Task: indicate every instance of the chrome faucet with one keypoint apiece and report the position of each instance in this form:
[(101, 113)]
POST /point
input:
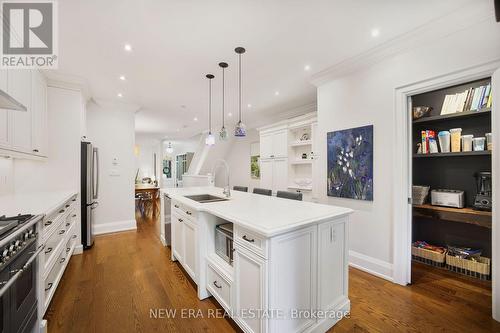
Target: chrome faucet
[(227, 189)]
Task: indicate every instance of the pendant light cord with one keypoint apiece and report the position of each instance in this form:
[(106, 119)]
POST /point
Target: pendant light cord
[(223, 97), (210, 106), (240, 85)]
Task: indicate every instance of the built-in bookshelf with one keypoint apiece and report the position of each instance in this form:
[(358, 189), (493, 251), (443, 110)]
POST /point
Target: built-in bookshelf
[(444, 226), (300, 157)]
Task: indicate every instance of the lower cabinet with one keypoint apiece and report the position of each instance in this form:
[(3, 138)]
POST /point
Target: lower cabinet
[(251, 289), (190, 248), (184, 241), (178, 238)]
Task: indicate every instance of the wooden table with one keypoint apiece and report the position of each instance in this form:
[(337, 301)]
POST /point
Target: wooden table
[(154, 190)]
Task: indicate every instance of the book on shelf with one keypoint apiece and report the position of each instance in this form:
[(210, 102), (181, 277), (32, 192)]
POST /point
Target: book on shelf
[(472, 99)]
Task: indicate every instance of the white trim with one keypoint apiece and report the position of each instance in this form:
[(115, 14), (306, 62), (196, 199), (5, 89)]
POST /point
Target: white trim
[(495, 253), (466, 16), (110, 227), (78, 249), (374, 266)]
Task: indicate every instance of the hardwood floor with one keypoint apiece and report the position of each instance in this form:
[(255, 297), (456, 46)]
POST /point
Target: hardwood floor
[(113, 286)]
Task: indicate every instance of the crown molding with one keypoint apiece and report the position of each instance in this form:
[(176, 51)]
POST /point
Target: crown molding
[(68, 81), (307, 110), (460, 19), (125, 107)]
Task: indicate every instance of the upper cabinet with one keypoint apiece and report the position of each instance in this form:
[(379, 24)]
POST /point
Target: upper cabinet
[(24, 133), (274, 143)]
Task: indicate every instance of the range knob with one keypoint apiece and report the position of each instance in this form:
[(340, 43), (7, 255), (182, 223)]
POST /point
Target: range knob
[(12, 249), (17, 244), (5, 255)]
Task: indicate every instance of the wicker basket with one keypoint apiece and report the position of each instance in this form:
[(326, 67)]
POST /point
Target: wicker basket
[(419, 194), (480, 269), (428, 257)]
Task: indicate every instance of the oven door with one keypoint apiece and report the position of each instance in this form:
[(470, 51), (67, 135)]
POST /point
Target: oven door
[(23, 298), (5, 323)]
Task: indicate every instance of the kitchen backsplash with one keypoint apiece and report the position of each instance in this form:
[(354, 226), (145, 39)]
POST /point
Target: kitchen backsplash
[(6, 176)]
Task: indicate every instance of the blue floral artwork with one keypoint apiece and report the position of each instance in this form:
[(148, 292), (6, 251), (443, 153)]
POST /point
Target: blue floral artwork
[(350, 163)]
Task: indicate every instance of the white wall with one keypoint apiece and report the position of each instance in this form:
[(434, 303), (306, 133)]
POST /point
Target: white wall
[(146, 146), (110, 127), (368, 97), (6, 176), (238, 158), (179, 147)]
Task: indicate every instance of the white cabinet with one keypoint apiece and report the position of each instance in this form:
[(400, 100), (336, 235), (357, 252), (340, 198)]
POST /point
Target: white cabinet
[(251, 289), (39, 115), (274, 174), (332, 286), (19, 87), (24, 132), (190, 248), (178, 238), (274, 144)]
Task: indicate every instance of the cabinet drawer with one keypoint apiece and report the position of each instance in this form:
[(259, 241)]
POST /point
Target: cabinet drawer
[(53, 244), (52, 221), (219, 287), (251, 241), (184, 210)]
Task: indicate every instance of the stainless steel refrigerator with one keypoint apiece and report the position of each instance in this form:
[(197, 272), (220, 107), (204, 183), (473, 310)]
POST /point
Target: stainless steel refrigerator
[(89, 191)]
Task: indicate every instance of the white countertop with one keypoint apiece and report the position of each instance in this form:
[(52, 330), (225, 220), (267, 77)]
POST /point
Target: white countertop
[(268, 216), (33, 203)]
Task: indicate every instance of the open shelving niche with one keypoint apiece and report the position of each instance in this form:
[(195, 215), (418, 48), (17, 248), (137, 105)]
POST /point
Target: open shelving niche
[(300, 168), (445, 225)]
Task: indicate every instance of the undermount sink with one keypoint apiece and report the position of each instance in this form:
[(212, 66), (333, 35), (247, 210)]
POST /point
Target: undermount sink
[(205, 198)]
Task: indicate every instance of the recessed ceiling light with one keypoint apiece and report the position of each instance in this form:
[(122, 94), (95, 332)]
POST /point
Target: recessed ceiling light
[(276, 93), (195, 118), (119, 95), (229, 114), (178, 130), (122, 77), (375, 32), (128, 47), (307, 67), (249, 105)]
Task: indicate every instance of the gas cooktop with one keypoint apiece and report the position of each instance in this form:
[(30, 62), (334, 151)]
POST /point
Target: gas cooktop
[(9, 223)]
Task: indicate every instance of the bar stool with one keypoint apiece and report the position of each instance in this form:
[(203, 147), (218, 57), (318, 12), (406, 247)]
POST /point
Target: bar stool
[(289, 195), (262, 191), (241, 188)]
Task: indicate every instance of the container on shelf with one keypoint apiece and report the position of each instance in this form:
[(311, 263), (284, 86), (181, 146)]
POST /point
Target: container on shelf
[(224, 242), (428, 257), (467, 142), (456, 133), (479, 143), (480, 269), (444, 141), (419, 194), (489, 141)]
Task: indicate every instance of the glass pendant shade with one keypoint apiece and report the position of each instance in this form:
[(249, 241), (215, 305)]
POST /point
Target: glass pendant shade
[(169, 149), (240, 130), (223, 134), (210, 139)]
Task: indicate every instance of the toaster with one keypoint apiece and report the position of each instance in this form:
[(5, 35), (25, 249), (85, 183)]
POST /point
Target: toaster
[(447, 198)]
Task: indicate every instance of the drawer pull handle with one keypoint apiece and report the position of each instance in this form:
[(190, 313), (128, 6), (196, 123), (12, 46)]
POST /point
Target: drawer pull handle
[(180, 220), (74, 215), (67, 224), (35, 150), (67, 249), (247, 239), (188, 212), (62, 232), (49, 249), (176, 206), (49, 286), (62, 260), (73, 199), (74, 236), (61, 211), (216, 285), (47, 223), (67, 206)]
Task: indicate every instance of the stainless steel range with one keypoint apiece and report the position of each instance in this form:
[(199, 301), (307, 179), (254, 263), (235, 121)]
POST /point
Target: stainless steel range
[(18, 273)]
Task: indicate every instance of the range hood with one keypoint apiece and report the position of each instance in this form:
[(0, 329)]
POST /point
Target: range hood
[(8, 102)]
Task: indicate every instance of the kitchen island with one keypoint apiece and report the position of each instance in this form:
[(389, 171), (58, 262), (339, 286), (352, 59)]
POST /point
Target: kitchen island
[(285, 269)]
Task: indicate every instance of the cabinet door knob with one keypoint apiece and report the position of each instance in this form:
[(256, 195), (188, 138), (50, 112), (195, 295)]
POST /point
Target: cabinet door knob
[(176, 206), (216, 285), (180, 220), (247, 239), (35, 150), (188, 212), (62, 260)]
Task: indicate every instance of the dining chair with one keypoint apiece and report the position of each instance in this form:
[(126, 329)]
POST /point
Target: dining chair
[(241, 188), (262, 191), (289, 195)]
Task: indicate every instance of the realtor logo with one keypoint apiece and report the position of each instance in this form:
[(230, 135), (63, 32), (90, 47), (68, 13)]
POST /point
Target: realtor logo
[(29, 34)]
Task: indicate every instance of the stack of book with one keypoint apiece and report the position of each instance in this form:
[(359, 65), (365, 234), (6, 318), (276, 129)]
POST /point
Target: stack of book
[(472, 99)]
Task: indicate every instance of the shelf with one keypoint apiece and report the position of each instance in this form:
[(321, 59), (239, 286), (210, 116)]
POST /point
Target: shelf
[(463, 153), (300, 188), (304, 161), (460, 115), (462, 215), (301, 143)]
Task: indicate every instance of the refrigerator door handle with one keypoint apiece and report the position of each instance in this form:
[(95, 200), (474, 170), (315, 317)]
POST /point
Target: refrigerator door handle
[(95, 173)]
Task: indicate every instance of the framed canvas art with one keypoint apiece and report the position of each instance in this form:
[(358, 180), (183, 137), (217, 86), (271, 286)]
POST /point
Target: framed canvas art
[(350, 163)]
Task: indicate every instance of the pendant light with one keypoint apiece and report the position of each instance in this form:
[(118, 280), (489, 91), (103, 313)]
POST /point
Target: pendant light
[(240, 129), (223, 131), (210, 139)]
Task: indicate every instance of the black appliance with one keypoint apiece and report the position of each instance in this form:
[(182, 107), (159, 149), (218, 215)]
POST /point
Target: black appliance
[(18, 273), (483, 198), (89, 191)]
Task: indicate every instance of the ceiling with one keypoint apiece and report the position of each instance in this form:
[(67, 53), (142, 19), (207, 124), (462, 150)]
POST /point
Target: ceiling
[(175, 43)]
